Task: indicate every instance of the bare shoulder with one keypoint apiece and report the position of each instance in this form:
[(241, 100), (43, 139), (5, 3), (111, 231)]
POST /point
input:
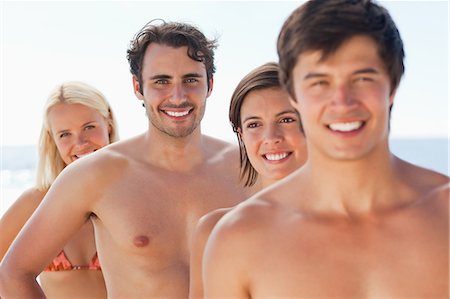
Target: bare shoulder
[(102, 166), (26, 203), (430, 186), (31, 197), (239, 240), (221, 148), (207, 222), (250, 220), (86, 181)]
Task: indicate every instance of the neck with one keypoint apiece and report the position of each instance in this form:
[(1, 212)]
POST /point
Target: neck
[(175, 153), (357, 187)]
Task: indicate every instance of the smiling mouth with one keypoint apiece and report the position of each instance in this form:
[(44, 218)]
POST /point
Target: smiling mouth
[(177, 112), (346, 126), (277, 157)]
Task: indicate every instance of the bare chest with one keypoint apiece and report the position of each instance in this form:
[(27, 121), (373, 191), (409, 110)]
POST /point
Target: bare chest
[(154, 214), (390, 260)]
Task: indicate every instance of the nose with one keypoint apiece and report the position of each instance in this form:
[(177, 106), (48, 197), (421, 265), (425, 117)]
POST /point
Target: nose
[(178, 94), (273, 134), (343, 96), (82, 139)]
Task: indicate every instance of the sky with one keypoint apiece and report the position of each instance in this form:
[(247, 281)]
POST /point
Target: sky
[(44, 43)]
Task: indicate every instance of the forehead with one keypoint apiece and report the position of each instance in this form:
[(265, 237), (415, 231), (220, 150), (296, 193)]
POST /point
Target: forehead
[(163, 59), (269, 101), (356, 52), (63, 116)]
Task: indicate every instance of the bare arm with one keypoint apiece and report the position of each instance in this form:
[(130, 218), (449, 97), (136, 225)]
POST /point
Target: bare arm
[(202, 232), (64, 209), (16, 216), (224, 262)]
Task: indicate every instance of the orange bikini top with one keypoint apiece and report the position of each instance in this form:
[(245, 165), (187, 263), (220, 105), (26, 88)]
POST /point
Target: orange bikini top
[(62, 263)]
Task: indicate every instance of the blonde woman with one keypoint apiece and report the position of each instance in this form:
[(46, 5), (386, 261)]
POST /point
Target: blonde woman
[(78, 121)]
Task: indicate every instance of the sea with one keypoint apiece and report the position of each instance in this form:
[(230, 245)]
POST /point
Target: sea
[(18, 163)]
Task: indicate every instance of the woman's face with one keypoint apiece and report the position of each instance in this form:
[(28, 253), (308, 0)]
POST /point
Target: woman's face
[(77, 130), (271, 134)]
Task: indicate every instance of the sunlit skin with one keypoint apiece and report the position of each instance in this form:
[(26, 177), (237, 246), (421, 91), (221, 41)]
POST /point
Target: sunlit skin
[(351, 88), (77, 130), (174, 90), (143, 195), (271, 133), (355, 221), (275, 146)]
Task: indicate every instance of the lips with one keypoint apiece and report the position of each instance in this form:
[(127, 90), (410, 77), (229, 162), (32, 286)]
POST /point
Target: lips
[(277, 156), (346, 126), (177, 113)]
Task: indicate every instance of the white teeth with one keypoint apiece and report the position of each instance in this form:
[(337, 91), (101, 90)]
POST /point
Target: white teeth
[(346, 127), (177, 114), (276, 157)]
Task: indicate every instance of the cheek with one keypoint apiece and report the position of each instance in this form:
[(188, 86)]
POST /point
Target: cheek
[(295, 137), (251, 142), (63, 148), (61, 145), (100, 136)]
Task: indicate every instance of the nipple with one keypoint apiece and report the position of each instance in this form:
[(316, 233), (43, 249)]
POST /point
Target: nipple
[(141, 241)]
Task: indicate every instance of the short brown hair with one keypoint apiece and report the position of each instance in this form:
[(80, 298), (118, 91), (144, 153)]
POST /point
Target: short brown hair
[(325, 24)]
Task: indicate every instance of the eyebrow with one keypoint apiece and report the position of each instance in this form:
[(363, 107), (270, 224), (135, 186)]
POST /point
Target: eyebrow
[(368, 70), (193, 75), (188, 75), (277, 115), (313, 75), (286, 112), (83, 125), (160, 76)]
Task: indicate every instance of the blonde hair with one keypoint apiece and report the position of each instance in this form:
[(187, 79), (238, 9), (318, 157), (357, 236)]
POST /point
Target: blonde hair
[(50, 162)]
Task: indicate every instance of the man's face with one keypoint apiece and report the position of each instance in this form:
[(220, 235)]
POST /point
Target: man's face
[(174, 89), (344, 100)]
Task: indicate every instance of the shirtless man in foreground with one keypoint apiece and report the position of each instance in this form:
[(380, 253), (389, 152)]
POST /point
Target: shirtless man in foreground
[(355, 221), (143, 195)]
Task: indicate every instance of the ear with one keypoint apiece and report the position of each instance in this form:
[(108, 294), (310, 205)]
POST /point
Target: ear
[(391, 97), (211, 83), (137, 88), (239, 132)]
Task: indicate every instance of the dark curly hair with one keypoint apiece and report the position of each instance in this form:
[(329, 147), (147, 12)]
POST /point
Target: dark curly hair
[(175, 35)]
